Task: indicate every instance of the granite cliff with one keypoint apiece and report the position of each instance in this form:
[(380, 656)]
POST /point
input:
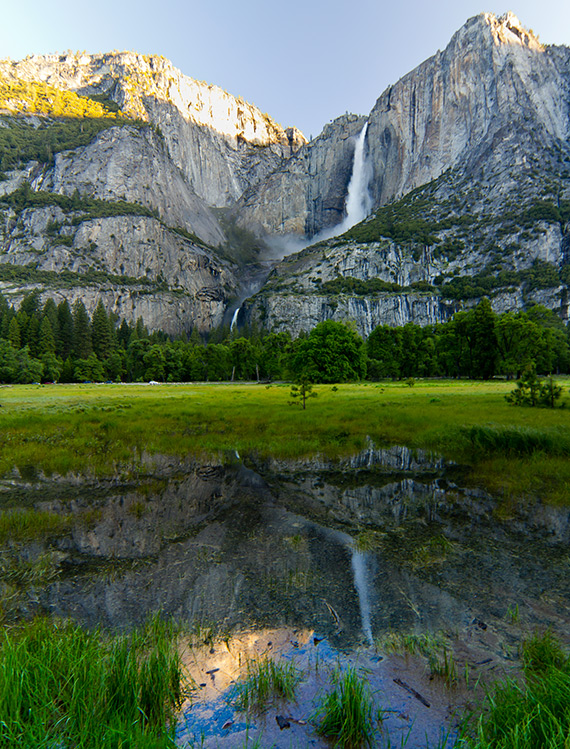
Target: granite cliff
[(471, 186), (169, 192)]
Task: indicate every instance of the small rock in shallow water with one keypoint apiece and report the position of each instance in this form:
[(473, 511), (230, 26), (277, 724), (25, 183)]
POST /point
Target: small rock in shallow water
[(282, 722)]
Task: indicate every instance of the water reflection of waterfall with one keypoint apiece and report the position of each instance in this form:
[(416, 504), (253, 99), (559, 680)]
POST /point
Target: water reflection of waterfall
[(359, 561), (360, 571)]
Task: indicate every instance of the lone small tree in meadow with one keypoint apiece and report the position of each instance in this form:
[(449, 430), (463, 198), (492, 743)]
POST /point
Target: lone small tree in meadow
[(531, 391), (302, 390)]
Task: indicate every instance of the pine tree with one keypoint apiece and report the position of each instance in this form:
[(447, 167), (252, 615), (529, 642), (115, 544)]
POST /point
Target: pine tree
[(64, 345), (82, 345), (49, 310), (46, 338), (14, 333), (3, 312), (124, 334), (32, 337), (101, 332), (31, 303)]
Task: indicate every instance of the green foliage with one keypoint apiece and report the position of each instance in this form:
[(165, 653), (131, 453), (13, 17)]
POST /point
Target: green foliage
[(62, 686), (28, 525), (68, 121), (345, 714), (66, 278), (356, 287), (89, 208), (302, 390), (541, 275), (532, 391), (20, 141), (332, 352), (530, 716), (496, 439), (541, 653), (32, 97)]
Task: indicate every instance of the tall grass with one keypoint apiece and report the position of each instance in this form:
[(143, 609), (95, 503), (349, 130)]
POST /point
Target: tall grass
[(345, 714), (62, 686), (517, 440), (27, 525), (534, 715)]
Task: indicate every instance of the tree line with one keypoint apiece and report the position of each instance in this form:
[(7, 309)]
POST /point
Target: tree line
[(63, 343)]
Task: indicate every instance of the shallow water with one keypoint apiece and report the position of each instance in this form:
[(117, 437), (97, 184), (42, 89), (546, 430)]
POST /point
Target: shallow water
[(387, 540)]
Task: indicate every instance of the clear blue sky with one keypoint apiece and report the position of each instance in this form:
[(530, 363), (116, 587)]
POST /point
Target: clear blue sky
[(304, 62)]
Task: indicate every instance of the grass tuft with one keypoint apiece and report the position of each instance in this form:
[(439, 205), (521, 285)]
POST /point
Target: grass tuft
[(345, 714), (266, 680), (534, 715)]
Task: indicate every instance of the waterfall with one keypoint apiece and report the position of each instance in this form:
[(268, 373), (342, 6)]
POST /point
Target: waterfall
[(234, 319), (361, 585), (358, 200)]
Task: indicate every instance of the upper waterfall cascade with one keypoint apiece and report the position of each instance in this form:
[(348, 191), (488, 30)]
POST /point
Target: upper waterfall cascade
[(358, 199)]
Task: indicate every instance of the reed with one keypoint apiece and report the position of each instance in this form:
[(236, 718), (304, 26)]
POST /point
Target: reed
[(63, 686), (530, 715)]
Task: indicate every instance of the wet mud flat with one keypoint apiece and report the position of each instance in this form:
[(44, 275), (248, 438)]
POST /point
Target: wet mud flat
[(413, 705)]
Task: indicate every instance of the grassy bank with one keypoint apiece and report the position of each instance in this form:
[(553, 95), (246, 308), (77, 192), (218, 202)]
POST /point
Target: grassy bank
[(533, 713), (514, 451), (62, 686)]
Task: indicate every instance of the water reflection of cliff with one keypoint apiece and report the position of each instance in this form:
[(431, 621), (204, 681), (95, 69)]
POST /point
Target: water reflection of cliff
[(383, 540)]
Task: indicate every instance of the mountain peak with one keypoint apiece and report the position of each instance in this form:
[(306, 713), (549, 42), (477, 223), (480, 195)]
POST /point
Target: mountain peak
[(507, 29)]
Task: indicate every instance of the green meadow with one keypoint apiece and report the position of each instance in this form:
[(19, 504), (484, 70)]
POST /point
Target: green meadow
[(514, 452)]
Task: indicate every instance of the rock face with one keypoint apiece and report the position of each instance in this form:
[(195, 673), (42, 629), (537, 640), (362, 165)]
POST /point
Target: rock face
[(470, 161), (493, 77), (220, 142), (133, 164), (308, 193), (475, 141), (295, 313), (136, 265)]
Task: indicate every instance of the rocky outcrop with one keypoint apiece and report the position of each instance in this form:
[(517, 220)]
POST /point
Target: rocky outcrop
[(297, 313), (221, 143), (493, 75), (132, 164), (135, 264)]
